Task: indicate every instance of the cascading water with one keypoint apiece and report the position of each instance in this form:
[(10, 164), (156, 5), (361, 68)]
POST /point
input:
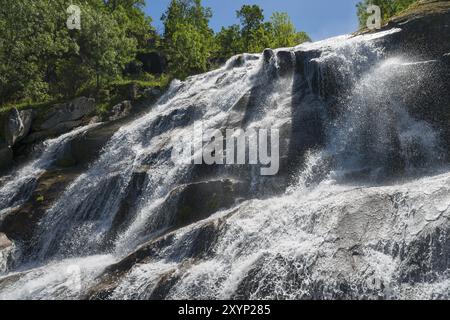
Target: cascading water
[(21, 183), (312, 232)]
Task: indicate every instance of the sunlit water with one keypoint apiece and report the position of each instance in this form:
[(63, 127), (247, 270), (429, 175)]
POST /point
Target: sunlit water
[(289, 246)]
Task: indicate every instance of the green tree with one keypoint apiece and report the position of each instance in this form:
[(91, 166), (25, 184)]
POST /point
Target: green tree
[(189, 53), (252, 19), (301, 37), (114, 4), (133, 19), (284, 32), (40, 58), (31, 39), (188, 40), (260, 38), (103, 45), (229, 42), (254, 35)]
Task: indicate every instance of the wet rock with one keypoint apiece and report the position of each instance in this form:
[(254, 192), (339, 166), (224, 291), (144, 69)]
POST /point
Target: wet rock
[(57, 130), (236, 61), (17, 125), (67, 115), (86, 147), (286, 60), (427, 258), (19, 223), (6, 156), (6, 250), (193, 246), (422, 28), (120, 111), (198, 201), (268, 54), (109, 280), (129, 205), (152, 93), (4, 242), (162, 288), (238, 111)]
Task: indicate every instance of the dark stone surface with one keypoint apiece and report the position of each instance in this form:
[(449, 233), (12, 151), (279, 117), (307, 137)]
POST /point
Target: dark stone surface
[(6, 157), (17, 125)]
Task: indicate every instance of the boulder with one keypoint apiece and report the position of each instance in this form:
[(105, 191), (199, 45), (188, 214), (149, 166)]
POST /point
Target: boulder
[(285, 62), (268, 55), (85, 148), (197, 201), (58, 129), (4, 242), (120, 111), (17, 125), (67, 113), (152, 93)]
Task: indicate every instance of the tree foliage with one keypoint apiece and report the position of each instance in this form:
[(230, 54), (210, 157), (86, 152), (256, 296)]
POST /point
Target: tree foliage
[(254, 34), (191, 46), (229, 41), (284, 32), (41, 58), (251, 17), (188, 40), (389, 8)]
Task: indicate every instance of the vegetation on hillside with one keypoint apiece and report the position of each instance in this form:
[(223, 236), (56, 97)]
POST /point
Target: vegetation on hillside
[(42, 60), (389, 8)]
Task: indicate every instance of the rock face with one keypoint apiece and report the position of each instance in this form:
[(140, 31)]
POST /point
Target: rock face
[(20, 223), (359, 209), (85, 148), (67, 114), (17, 125), (61, 118), (4, 242), (6, 156), (198, 201), (120, 111)]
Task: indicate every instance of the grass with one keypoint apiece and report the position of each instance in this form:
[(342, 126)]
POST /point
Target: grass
[(147, 81), (38, 106)]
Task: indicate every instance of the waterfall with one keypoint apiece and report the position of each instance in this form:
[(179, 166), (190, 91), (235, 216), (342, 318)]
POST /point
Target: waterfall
[(342, 219), (20, 184)]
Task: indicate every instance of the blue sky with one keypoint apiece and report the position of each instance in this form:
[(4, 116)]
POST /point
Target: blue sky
[(319, 18)]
